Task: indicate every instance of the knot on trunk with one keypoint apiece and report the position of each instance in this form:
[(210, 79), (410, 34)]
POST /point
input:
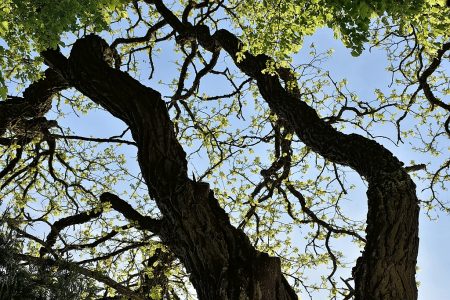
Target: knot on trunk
[(93, 48)]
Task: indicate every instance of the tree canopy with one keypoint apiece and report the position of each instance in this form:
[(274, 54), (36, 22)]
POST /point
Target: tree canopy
[(196, 149)]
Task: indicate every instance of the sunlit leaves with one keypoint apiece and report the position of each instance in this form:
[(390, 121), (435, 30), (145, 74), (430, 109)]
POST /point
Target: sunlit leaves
[(39, 25), (279, 27)]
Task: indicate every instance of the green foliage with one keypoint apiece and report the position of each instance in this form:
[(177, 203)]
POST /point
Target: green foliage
[(235, 134), (272, 26), (29, 27)]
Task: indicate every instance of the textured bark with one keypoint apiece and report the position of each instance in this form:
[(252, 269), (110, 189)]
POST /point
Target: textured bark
[(17, 112), (219, 257), (386, 269)]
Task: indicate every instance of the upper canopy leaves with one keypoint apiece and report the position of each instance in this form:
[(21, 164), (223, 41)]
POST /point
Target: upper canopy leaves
[(272, 26), (268, 26), (31, 26)]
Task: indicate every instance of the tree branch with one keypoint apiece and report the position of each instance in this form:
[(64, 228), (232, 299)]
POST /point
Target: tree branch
[(143, 222), (423, 78), (84, 271), (66, 222), (36, 101)]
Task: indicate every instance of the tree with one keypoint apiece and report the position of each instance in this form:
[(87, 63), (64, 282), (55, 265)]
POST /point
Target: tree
[(173, 226), (35, 281)]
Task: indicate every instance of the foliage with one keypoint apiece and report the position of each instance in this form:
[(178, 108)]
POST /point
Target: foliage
[(36, 282), (279, 26), (28, 27), (252, 159)]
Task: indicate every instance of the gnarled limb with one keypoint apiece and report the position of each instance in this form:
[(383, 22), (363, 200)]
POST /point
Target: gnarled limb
[(36, 102), (386, 269), (143, 222), (219, 257)]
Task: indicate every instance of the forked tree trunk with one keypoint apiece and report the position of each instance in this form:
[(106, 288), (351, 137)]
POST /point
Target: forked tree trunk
[(386, 269), (222, 262)]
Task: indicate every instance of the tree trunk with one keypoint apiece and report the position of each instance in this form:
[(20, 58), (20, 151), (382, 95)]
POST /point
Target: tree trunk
[(222, 262), (386, 269)]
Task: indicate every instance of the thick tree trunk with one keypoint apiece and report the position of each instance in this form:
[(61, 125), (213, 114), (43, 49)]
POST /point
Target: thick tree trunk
[(222, 262), (386, 269)]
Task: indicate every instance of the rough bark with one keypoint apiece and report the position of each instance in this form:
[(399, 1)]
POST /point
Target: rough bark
[(386, 269), (222, 262), (19, 113)]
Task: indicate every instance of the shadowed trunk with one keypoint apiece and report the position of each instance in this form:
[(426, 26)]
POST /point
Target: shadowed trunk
[(222, 262), (386, 269)]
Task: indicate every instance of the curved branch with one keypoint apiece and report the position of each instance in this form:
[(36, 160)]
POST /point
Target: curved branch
[(84, 271), (143, 222), (423, 79), (151, 31), (66, 222), (36, 101)]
